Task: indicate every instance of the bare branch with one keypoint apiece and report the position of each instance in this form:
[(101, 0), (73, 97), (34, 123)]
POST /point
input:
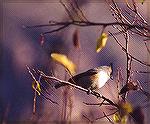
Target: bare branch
[(106, 115), (88, 23), (108, 118), (98, 95), (124, 50), (41, 93), (97, 104)]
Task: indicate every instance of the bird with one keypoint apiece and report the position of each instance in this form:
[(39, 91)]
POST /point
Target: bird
[(92, 79)]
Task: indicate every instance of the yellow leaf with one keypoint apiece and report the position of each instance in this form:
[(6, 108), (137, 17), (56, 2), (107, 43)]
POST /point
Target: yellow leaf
[(63, 60), (116, 118), (127, 107), (36, 87), (124, 120), (101, 42)]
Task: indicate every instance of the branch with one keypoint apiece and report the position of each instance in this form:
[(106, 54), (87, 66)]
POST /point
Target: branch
[(97, 104), (41, 93), (108, 118), (94, 93), (87, 23), (55, 30), (124, 50), (106, 115)]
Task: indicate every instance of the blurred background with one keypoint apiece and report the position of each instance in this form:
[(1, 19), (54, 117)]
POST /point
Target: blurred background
[(20, 47)]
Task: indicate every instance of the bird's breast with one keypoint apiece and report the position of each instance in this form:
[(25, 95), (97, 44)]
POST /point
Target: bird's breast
[(103, 77)]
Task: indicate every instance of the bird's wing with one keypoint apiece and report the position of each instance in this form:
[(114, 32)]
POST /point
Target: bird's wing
[(84, 74)]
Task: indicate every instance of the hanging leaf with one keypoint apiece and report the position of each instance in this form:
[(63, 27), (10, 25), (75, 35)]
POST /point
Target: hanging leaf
[(101, 42), (116, 118), (42, 39), (36, 87), (128, 87), (75, 39), (63, 60)]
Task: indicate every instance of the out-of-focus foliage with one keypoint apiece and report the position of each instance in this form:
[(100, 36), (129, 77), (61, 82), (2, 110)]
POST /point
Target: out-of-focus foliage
[(75, 39), (125, 108), (101, 42), (138, 115), (65, 61)]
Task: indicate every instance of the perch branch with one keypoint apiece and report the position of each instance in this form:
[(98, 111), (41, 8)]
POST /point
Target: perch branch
[(98, 95)]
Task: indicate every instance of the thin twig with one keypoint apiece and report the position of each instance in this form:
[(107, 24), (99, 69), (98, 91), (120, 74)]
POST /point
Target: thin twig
[(56, 30), (124, 50), (76, 3), (87, 119), (97, 104), (67, 10), (41, 93), (89, 23), (108, 118), (107, 115)]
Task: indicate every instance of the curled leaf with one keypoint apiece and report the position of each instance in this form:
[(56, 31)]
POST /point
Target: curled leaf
[(63, 60), (75, 39), (36, 87), (101, 42), (116, 118), (128, 87)]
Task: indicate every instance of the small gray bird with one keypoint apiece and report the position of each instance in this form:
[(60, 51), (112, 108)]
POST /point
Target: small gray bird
[(92, 79)]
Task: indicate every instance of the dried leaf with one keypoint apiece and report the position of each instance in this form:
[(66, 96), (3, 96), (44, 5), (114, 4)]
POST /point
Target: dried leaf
[(128, 87), (101, 42), (75, 39), (42, 39), (63, 60)]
